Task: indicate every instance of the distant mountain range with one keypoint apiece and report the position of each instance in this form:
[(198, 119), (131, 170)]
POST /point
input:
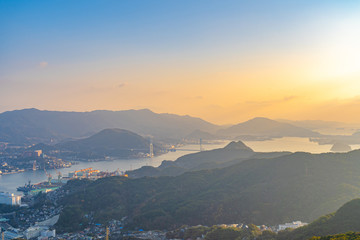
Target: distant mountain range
[(266, 127), (331, 132), (298, 186), (321, 124), (198, 134), (35, 126), (316, 124)]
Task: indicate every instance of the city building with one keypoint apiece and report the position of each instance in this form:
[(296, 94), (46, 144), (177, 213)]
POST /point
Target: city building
[(33, 232), (48, 233), (36, 153), (10, 198), (292, 225)]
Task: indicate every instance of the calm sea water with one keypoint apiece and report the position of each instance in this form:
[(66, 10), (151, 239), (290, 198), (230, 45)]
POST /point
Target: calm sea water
[(9, 183)]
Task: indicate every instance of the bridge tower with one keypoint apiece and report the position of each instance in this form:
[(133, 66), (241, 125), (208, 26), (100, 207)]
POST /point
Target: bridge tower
[(151, 153), (34, 165), (201, 147)]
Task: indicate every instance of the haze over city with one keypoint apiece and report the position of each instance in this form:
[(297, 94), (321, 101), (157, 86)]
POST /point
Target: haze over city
[(223, 61)]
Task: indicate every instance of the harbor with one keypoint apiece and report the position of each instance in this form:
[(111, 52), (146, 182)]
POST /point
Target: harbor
[(10, 182), (54, 183)]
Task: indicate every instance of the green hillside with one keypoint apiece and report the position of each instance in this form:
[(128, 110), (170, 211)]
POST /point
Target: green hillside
[(300, 186), (344, 220), (345, 236), (233, 153)]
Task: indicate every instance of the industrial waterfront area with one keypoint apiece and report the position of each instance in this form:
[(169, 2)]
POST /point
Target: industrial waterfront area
[(10, 182), (54, 183)]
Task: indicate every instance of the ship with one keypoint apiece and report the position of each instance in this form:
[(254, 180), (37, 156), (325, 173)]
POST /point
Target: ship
[(39, 187), (26, 188)]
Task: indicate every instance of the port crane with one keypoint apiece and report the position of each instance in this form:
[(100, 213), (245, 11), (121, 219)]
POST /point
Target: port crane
[(48, 175), (59, 175)]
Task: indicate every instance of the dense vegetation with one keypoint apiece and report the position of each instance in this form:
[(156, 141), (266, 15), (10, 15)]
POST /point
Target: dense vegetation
[(299, 186), (346, 236), (5, 208), (346, 219), (250, 233), (245, 232)]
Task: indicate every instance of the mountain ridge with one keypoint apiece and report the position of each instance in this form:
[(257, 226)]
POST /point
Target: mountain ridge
[(233, 153), (35, 126), (261, 126)]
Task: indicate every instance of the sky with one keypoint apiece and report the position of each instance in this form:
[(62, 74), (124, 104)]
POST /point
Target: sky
[(224, 61)]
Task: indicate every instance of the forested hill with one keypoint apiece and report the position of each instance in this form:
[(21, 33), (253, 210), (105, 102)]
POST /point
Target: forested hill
[(118, 143), (344, 236), (299, 186), (344, 220), (233, 153)]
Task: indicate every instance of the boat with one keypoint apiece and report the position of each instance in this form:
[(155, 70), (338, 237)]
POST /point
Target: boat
[(26, 188)]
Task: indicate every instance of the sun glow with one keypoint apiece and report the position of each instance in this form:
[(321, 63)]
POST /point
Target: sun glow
[(340, 51)]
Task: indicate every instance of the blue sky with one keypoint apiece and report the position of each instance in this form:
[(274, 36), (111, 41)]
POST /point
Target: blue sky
[(65, 31)]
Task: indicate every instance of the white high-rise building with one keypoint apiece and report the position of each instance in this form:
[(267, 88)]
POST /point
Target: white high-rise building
[(292, 225), (10, 198)]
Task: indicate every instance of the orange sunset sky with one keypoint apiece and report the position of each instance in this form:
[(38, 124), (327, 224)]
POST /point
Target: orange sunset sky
[(223, 61)]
